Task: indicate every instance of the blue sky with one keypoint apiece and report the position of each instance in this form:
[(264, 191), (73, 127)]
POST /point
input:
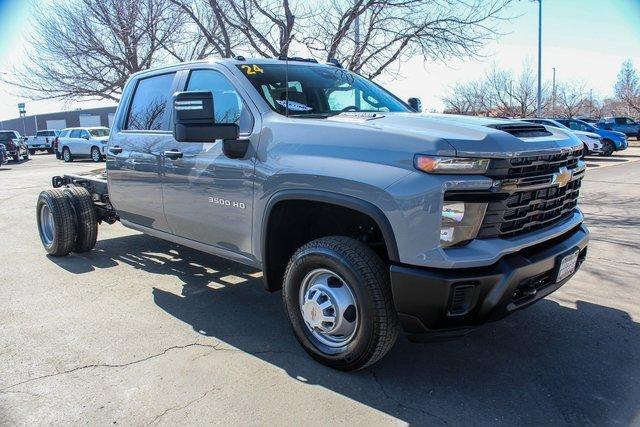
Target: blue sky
[(586, 40)]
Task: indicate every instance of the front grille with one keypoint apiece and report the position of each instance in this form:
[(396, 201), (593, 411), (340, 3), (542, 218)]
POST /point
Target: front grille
[(533, 200)]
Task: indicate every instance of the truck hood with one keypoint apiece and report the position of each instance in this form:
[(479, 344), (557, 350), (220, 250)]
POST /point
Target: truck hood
[(469, 136)]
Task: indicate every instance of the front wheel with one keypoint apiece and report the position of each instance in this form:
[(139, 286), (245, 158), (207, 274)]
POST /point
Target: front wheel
[(32, 152), (66, 155), (338, 299), (607, 148), (95, 154)]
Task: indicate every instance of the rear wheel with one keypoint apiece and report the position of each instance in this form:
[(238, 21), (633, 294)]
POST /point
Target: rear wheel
[(66, 155), (50, 150), (26, 155), (16, 157), (32, 151), (95, 154), (56, 222), (338, 299), (607, 147), (86, 220)]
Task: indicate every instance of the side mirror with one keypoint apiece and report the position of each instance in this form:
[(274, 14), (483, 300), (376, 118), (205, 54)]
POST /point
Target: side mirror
[(194, 119), (416, 104)]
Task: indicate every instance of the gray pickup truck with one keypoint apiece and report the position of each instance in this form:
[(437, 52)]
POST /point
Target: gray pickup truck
[(370, 217)]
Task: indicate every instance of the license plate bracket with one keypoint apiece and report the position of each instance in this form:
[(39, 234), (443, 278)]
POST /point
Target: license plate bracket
[(566, 265)]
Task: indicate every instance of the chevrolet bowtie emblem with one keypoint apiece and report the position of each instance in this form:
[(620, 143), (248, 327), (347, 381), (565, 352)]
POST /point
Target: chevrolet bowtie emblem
[(563, 177)]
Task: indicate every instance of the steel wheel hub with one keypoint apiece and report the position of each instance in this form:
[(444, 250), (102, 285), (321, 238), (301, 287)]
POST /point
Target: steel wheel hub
[(328, 307), (47, 227)]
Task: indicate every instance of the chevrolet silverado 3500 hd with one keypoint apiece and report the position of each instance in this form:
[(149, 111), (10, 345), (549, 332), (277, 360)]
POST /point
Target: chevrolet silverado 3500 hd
[(371, 217)]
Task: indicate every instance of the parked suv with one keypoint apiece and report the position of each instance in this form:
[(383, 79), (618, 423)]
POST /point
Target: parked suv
[(3, 154), (83, 143), (611, 140), (369, 216), (625, 125), (44, 140), (15, 144)]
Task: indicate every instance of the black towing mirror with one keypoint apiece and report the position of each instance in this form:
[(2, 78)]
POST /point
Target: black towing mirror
[(194, 119)]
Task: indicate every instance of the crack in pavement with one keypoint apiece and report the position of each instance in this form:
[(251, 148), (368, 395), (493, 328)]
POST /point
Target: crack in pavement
[(179, 408), (114, 365), (402, 405), (216, 347)]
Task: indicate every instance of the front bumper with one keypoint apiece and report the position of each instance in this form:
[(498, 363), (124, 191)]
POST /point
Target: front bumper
[(444, 303)]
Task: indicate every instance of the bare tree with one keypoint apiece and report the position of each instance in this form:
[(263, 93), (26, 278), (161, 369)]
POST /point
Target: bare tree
[(571, 98), (263, 27), (627, 87), (89, 48), (393, 30), (498, 93)]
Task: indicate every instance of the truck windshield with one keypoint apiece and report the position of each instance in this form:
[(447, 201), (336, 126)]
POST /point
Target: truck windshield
[(5, 136), (318, 91)]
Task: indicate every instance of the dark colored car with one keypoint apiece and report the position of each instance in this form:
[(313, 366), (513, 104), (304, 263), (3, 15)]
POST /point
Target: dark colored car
[(15, 145)]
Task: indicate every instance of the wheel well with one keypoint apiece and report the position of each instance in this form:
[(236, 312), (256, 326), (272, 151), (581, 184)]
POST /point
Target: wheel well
[(292, 223)]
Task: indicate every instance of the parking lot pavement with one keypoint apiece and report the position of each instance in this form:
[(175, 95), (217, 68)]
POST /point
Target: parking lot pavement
[(141, 331)]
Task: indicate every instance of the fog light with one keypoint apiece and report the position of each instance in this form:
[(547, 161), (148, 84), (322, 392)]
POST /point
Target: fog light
[(460, 222)]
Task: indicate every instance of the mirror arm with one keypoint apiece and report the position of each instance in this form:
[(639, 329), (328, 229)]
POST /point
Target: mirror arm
[(235, 148)]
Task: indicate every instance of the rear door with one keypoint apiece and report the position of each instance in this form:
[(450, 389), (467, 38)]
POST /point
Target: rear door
[(208, 197), (141, 129)]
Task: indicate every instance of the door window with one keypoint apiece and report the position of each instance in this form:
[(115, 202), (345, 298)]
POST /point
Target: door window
[(228, 106), (75, 133), (84, 134), (151, 105), (621, 121)]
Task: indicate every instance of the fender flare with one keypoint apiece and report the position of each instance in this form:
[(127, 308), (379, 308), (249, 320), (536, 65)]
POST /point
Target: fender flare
[(350, 202)]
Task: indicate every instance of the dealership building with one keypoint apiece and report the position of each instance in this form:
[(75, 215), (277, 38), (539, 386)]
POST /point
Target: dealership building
[(28, 125)]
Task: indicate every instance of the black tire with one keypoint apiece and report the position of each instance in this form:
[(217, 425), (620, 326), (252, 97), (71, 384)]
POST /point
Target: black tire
[(367, 277), (96, 156), (585, 151), (66, 155), (16, 157), (85, 215), (27, 155), (607, 147), (32, 152), (62, 238), (50, 150)]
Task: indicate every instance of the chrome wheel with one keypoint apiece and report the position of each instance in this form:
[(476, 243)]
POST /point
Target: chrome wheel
[(47, 226), (95, 155), (66, 155), (329, 308)]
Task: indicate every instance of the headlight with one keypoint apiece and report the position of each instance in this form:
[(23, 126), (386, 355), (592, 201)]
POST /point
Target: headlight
[(450, 165), (460, 222)]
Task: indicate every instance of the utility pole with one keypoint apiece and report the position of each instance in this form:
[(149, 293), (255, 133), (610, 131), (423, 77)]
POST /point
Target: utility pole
[(539, 105), (553, 94)]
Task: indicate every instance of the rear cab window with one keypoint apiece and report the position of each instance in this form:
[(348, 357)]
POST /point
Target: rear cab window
[(150, 107)]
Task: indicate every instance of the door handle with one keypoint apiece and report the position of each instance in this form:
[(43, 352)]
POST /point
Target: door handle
[(173, 154), (115, 150)]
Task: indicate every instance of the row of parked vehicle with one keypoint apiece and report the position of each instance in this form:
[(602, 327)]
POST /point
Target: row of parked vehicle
[(67, 144), (600, 139)]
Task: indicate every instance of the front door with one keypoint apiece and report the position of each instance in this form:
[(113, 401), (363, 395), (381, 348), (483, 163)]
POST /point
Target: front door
[(208, 197), (134, 154)]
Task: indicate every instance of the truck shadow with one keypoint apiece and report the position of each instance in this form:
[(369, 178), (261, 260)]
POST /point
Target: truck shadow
[(548, 364)]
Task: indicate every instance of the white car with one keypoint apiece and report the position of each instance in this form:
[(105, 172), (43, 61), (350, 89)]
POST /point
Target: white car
[(592, 141), (88, 142)]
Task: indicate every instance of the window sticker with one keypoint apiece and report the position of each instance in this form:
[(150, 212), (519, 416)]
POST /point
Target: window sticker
[(252, 69), (293, 106)]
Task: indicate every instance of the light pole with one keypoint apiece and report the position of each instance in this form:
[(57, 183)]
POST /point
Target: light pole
[(539, 104)]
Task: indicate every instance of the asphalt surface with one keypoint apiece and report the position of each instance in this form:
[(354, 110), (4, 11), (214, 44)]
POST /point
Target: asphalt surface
[(141, 331)]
